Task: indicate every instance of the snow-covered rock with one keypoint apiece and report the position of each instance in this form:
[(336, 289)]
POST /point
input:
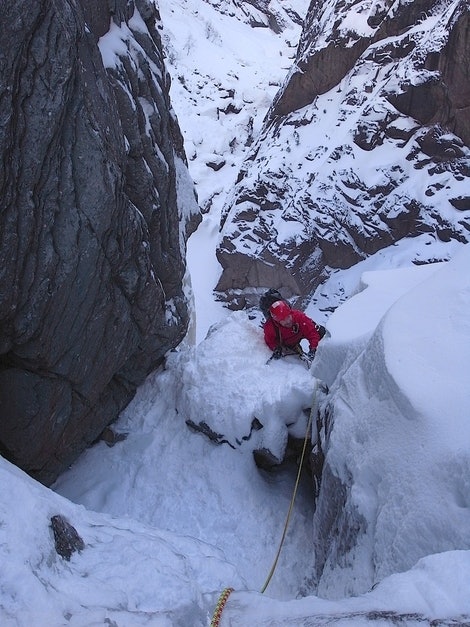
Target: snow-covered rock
[(272, 408), (277, 15), (366, 143)]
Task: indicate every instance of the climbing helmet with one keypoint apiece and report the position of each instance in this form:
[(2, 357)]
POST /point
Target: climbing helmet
[(281, 313)]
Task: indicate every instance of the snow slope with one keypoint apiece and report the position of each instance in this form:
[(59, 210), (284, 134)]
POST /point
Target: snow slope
[(224, 77), (172, 478), (171, 518)]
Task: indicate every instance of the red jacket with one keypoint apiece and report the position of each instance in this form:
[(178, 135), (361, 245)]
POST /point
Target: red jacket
[(302, 328)]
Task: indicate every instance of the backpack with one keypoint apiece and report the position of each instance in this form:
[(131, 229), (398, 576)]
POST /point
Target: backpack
[(267, 299)]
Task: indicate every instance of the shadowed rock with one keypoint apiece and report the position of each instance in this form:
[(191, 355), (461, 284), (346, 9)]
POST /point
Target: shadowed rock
[(92, 230)]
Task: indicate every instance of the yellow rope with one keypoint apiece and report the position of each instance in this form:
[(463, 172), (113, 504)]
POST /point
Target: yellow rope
[(219, 608)]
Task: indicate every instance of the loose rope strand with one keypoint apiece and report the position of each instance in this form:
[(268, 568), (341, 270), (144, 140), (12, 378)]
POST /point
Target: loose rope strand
[(291, 506)]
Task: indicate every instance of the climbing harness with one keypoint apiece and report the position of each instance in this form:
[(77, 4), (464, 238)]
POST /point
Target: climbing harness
[(219, 608), (227, 591)]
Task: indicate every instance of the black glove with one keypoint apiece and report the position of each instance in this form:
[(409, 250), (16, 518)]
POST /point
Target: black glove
[(311, 353), (277, 352)]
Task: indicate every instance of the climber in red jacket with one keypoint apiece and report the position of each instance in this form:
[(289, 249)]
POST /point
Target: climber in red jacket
[(286, 327)]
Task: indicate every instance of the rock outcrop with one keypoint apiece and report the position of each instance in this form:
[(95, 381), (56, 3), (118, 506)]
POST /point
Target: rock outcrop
[(95, 205), (66, 538), (366, 143)]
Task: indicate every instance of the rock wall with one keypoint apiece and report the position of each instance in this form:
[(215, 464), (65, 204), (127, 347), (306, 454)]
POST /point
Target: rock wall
[(91, 220), (366, 143)]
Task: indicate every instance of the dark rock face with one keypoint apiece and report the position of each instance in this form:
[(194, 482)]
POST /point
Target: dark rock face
[(92, 246), (366, 143)]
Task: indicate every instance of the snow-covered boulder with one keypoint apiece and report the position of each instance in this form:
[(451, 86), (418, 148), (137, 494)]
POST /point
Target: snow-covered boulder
[(254, 401)]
